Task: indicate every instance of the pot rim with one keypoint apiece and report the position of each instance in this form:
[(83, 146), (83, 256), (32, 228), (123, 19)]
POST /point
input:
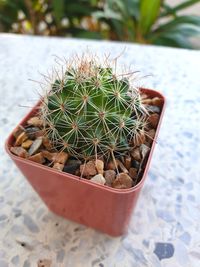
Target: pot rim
[(82, 180)]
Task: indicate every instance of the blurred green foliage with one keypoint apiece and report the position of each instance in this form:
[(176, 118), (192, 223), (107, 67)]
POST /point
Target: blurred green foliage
[(143, 21)]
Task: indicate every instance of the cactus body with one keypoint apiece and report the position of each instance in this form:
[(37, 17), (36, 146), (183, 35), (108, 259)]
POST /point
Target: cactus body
[(90, 112)]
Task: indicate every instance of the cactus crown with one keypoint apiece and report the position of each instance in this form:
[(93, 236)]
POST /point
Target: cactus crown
[(89, 111)]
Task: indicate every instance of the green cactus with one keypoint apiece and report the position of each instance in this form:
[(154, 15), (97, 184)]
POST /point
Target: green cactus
[(89, 112)]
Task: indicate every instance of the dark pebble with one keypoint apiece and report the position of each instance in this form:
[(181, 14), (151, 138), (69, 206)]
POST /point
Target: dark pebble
[(164, 250), (135, 164), (72, 166), (48, 163), (74, 161), (31, 132)]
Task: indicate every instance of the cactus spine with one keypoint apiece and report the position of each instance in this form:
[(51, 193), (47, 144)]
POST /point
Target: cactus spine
[(91, 112)]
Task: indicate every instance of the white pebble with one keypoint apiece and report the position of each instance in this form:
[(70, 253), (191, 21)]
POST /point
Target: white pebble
[(99, 179)]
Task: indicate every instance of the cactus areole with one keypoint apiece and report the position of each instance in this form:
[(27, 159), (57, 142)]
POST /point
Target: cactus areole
[(91, 112)]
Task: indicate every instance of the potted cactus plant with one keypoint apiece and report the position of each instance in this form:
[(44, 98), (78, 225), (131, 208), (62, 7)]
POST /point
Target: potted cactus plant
[(86, 146)]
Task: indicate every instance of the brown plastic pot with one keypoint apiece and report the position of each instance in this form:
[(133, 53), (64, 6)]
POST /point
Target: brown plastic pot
[(97, 206)]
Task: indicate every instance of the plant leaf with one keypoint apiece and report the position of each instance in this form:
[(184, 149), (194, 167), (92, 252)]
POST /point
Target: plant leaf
[(8, 14), (186, 30), (58, 9), (133, 8), (172, 10), (177, 36), (82, 33), (173, 41), (77, 8), (106, 15), (149, 11), (195, 20)]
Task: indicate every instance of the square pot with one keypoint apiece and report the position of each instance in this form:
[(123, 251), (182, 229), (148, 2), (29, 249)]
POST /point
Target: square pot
[(100, 207)]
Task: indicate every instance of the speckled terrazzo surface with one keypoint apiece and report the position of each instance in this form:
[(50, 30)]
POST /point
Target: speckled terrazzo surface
[(165, 227)]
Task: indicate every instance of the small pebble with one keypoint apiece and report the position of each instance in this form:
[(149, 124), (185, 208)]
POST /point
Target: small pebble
[(99, 166), (61, 157), (121, 166), (88, 169), (72, 167), (77, 172), (152, 109), (144, 96), (109, 176), (58, 166), (27, 144), (154, 119), (135, 153), (76, 162), (20, 129), (156, 101), (151, 134), (44, 263), (164, 250), (99, 179), (122, 181), (144, 150), (111, 165), (133, 173), (37, 158), (40, 133), (139, 138), (48, 155), (21, 138), (19, 151), (135, 164), (46, 143), (35, 121), (35, 146), (127, 162), (32, 132), (147, 101)]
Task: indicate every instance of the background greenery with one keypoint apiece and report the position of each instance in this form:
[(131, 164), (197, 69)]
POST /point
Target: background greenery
[(143, 21)]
